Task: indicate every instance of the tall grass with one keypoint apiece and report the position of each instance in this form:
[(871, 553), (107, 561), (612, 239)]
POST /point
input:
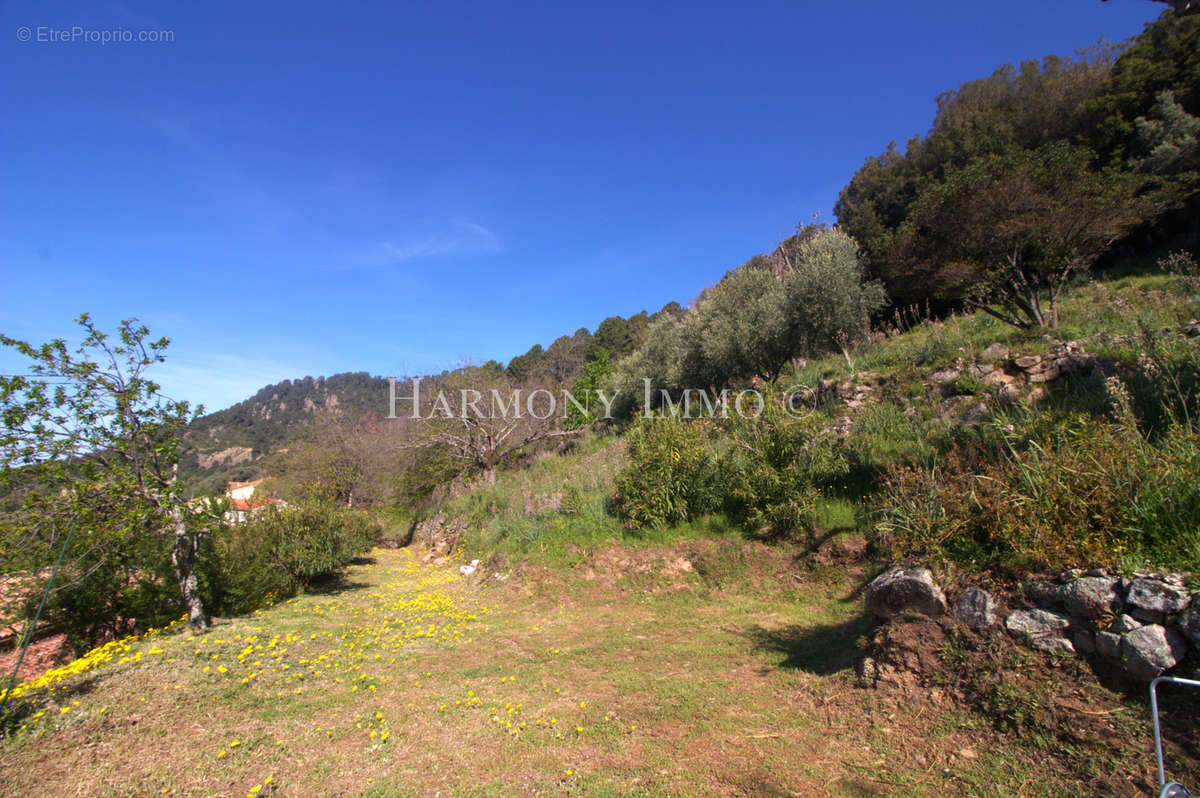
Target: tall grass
[(1121, 487)]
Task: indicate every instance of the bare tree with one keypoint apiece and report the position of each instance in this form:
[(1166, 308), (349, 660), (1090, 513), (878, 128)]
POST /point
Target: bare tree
[(482, 418), (347, 458)]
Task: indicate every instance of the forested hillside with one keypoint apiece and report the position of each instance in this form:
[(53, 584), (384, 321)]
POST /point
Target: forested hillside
[(230, 444)]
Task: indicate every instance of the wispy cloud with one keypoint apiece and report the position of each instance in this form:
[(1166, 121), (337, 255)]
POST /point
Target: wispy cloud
[(456, 237)]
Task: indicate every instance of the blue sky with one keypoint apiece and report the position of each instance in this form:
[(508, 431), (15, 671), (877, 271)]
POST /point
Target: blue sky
[(309, 188)]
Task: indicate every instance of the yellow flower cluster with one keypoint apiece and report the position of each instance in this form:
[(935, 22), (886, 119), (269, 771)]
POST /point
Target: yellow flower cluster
[(349, 646), (93, 659)]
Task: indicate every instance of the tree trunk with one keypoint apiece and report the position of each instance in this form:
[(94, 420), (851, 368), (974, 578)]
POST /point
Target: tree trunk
[(489, 474), (183, 557)]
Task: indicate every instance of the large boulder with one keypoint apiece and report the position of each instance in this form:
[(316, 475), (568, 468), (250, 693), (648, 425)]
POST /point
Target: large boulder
[(976, 609), (1044, 630), (1108, 644), (902, 590), (1152, 600), (1150, 650), (1124, 624), (1089, 597)]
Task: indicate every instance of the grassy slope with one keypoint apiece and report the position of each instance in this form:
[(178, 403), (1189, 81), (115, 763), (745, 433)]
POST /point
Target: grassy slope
[(653, 683), (1119, 306), (733, 677)]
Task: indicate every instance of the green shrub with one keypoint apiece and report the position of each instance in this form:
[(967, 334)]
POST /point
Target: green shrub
[(778, 466), (279, 551), (102, 595), (1092, 492), (672, 475)]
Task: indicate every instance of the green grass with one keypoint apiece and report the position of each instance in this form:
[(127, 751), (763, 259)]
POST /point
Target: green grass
[(1087, 310), (733, 678)]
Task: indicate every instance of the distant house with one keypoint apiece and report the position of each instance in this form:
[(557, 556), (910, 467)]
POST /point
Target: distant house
[(241, 494), (243, 501)]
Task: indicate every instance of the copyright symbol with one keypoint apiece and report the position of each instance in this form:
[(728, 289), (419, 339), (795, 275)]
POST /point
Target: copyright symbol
[(24, 34)]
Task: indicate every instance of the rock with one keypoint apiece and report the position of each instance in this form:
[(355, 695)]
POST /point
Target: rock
[(976, 413), (994, 352), (1041, 629), (999, 377), (1189, 624), (1048, 374), (1089, 597), (1008, 394), (1027, 362), (1042, 592), (1124, 624), (902, 590), (1150, 650), (955, 405), (868, 672), (1083, 641), (976, 609), (1052, 645), (946, 376), (980, 370), (1108, 644), (1152, 600)]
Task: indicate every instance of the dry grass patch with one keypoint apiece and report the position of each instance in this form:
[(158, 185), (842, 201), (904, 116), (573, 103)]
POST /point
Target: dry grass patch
[(415, 681)]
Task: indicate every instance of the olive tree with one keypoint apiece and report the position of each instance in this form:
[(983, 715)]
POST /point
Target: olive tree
[(742, 326), (829, 301), (481, 418)]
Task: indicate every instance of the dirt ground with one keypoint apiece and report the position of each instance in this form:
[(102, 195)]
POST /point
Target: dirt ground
[(715, 667)]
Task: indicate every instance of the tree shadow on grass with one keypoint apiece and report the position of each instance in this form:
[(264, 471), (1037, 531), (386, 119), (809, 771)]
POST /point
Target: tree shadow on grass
[(84, 686), (333, 584), (821, 650)]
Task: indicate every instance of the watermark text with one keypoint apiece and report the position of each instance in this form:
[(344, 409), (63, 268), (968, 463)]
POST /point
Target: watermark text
[(81, 34)]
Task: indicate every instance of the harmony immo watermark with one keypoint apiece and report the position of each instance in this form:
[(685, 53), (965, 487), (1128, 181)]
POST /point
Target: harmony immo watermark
[(542, 403)]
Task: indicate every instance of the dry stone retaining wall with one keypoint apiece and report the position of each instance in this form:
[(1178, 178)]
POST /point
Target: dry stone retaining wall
[(1144, 623)]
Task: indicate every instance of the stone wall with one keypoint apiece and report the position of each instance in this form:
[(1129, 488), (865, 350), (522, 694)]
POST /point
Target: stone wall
[(1144, 623), (438, 535)]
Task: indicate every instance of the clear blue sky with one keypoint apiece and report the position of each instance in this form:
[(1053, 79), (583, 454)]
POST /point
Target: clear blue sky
[(293, 189)]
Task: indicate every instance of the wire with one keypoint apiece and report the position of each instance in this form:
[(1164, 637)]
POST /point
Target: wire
[(37, 616)]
